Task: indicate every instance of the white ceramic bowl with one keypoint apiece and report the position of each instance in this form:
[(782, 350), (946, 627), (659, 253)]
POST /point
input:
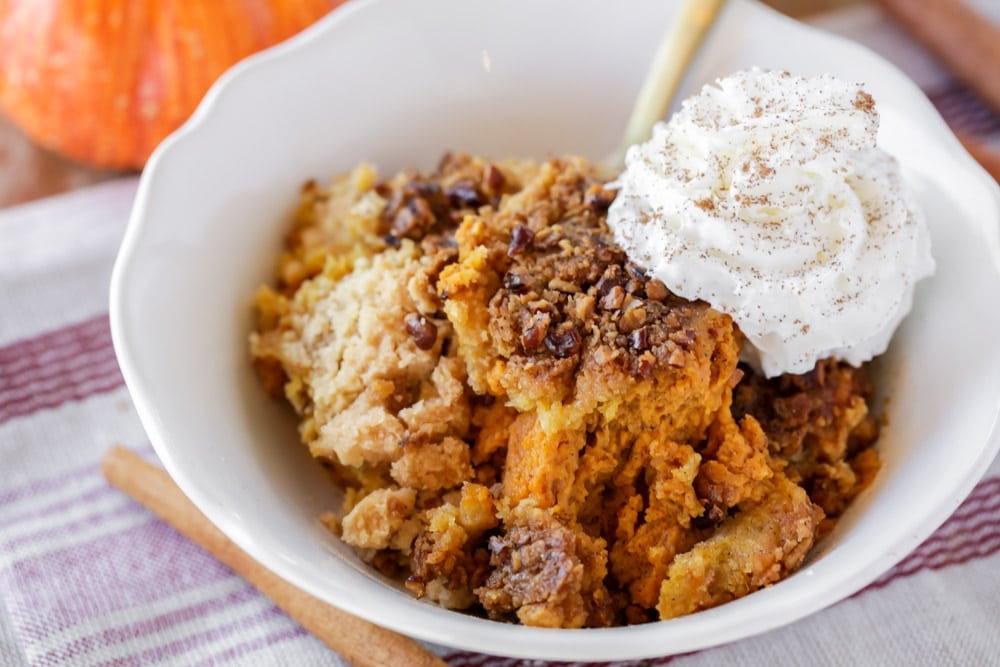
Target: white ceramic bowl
[(397, 83)]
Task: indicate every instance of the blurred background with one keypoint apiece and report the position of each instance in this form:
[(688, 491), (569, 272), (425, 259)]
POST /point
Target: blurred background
[(47, 86)]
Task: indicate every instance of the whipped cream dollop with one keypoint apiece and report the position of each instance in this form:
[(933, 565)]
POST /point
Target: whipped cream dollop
[(767, 196)]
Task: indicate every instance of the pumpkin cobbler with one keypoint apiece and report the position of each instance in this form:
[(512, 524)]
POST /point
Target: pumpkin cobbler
[(526, 425)]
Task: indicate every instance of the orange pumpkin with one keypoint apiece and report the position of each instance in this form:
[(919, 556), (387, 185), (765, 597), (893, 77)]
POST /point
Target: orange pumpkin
[(104, 81)]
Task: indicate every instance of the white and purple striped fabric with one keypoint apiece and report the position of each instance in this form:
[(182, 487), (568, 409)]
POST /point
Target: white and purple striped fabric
[(88, 577)]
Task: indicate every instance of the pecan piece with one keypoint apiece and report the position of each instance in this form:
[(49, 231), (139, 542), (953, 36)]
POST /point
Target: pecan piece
[(598, 198), (520, 240), (614, 298), (632, 320), (513, 282), (564, 341), (464, 193), (495, 180), (639, 339), (423, 331), (656, 290)]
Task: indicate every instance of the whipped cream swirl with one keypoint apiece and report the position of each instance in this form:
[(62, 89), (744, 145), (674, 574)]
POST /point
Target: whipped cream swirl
[(767, 196)]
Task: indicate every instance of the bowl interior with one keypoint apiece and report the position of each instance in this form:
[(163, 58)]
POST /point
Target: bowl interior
[(377, 82)]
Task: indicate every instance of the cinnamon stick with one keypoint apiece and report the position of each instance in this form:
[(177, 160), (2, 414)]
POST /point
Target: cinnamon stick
[(987, 157), (359, 642), (967, 42)]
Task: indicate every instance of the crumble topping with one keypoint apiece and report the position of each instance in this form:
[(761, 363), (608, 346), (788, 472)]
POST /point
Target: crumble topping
[(529, 426)]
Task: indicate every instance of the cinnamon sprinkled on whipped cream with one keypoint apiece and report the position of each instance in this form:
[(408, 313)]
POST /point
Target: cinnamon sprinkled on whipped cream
[(767, 196)]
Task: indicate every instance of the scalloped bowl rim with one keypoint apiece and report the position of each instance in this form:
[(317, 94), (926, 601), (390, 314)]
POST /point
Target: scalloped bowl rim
[(426, 621)]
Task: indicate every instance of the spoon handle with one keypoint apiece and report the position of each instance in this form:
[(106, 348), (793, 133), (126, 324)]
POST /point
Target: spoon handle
[(679, 44)]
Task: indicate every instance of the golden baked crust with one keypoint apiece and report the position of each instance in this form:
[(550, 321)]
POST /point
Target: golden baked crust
[(529, 425)]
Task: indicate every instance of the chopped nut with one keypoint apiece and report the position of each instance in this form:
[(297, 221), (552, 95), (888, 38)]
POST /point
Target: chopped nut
[(604, 354), (513, 282), (656, 290), (436, 243), (412, 219), (612, 276), (632, 320), (711, 517), (683, 338), (639, 339), (495, 180), (520, 240), (676, 358), (533, 336), (464, 193), (631, 302), (563, 286), (635, 270), (423, 189), (819, 372), (404, 221), (614, 298), (423, 331), (584, 307), (647, 364), (444, 162), (564, 341), (598, 198)]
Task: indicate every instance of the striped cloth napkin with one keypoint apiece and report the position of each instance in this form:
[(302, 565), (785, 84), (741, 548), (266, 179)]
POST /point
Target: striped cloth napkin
[(88, 577)]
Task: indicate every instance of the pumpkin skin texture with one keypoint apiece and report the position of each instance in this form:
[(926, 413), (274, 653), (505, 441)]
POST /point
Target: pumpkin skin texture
[(104, 81)]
